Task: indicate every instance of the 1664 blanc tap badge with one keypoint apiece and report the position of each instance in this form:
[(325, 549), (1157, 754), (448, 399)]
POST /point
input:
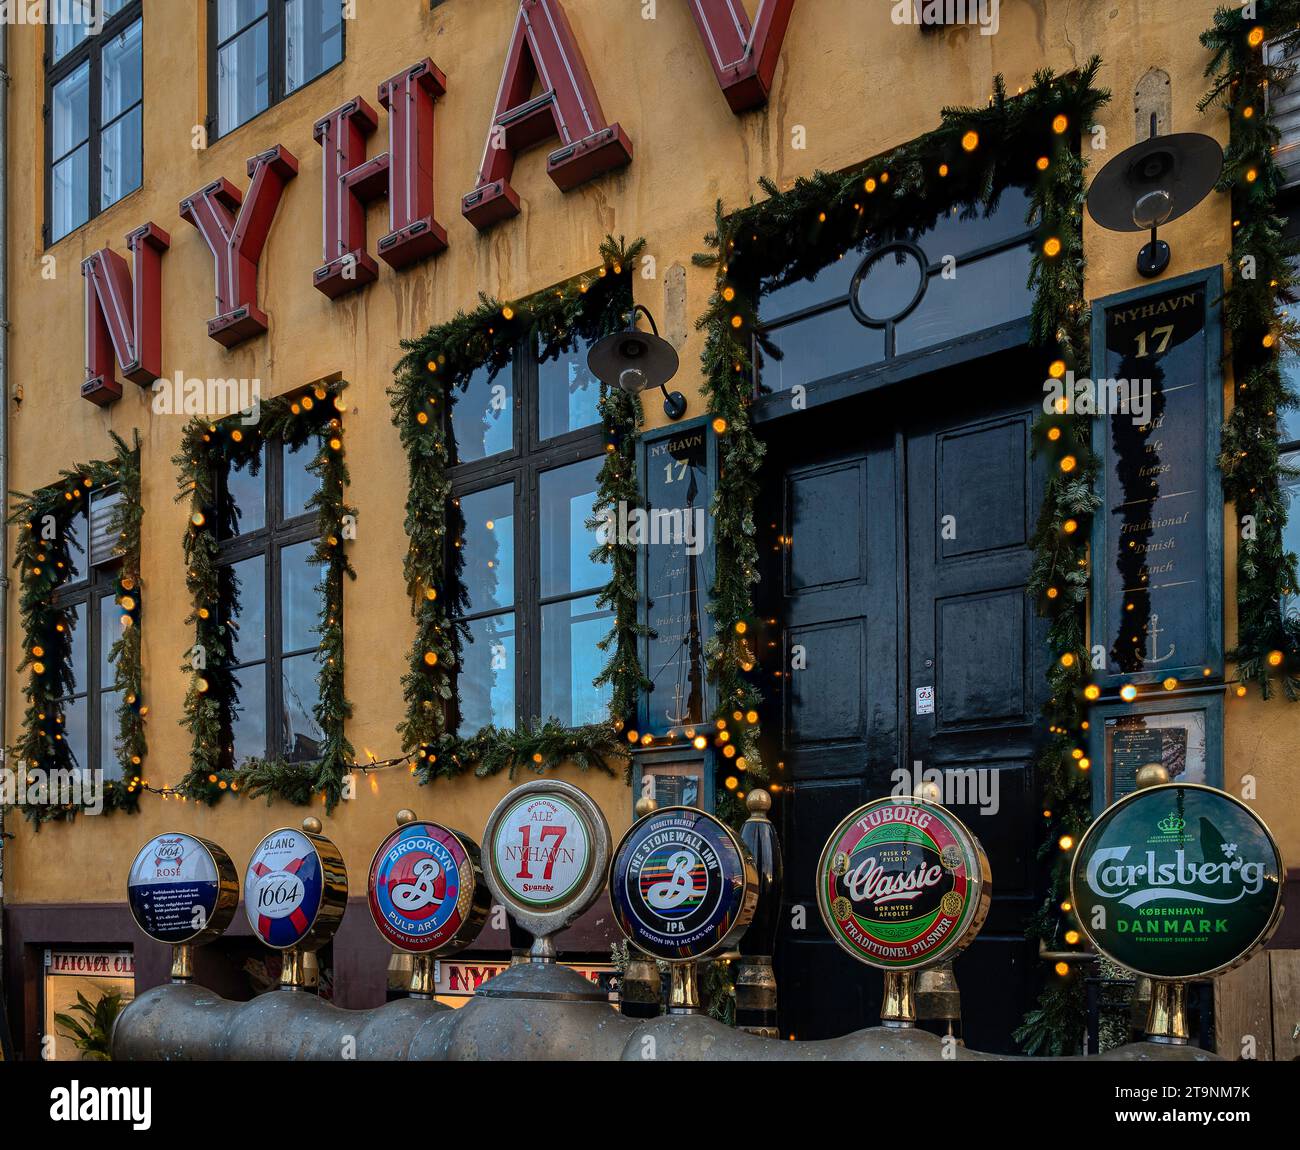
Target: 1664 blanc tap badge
[(1177, 881), (425, 889), (902, 884), (682, 885), (295, 889), (182, 889)]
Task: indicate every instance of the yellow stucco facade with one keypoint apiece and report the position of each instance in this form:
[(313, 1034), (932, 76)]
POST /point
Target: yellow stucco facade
[(854, 82)]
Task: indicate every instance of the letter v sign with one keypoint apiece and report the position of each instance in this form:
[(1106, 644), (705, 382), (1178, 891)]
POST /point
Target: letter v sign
[(236, 241), (743, 59)]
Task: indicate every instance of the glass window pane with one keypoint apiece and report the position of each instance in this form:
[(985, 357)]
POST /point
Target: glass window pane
[(983, 294), (70, 193), (235, 14), (301, 739), (70, 114), (820, 346), (1291, 531), (248, 624), (567, 394), (313, 39), (488, 545), (299, 483), (122, 81), (571, 660), (79, 644), (952, 235), (75, 23), (300, 597), (110, 630), (832, 282), (243, 78), (1289, 418), (109, 701), (567, 495), (482, 416), (486, 682), (248, 723), (244, 503), (121, 155), (78, 549), (76, 730)]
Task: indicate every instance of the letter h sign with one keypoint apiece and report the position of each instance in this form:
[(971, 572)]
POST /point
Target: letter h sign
[(404, 174)]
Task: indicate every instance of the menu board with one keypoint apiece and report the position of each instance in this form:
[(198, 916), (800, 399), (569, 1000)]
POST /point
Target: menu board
[(1174, 739), (1154, 553), (676, 537)]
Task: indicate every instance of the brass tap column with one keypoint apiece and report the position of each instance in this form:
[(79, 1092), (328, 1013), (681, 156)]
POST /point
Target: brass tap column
[(755, 976)]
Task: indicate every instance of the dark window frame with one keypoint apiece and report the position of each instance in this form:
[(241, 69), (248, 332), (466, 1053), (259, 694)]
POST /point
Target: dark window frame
[(90, 49), (275, 76), (523, 465), (95, 589), (267, 542), (933, 265)]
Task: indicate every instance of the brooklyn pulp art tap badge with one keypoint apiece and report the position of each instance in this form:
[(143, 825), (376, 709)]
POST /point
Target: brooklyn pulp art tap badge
[(282, 888), (902, 884), (681, 885), (1177, 881), (421, 887)]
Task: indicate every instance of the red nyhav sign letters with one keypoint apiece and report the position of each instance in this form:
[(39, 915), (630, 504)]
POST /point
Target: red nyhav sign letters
[(123, 312)]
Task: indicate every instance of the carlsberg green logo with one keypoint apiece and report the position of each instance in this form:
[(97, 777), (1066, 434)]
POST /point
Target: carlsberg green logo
[(1177, 881)]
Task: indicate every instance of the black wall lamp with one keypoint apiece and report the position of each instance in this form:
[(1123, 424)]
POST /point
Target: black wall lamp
[(1150, 184), (638, 361)]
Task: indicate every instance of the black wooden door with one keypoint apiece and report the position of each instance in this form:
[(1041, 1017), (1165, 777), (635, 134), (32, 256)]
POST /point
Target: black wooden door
[(896, 559)]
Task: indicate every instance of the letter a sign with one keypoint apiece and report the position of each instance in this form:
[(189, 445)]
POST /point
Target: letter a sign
[(543, 51)]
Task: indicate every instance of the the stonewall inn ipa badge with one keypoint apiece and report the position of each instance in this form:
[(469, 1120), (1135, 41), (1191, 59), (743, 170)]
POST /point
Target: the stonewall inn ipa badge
[(547, 849), (682, 885), (1177, 881), (426, 890), (295, 889), (903, 884), (182, 889)]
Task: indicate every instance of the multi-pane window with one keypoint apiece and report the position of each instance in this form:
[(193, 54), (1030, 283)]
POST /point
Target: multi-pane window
[(263, 50), (527, 452), (95, 623), (900, 293), (270, 603), (94, 115)]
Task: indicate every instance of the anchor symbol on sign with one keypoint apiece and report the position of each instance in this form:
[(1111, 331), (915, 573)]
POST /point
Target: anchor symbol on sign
[(1154, 630), (678, 718)]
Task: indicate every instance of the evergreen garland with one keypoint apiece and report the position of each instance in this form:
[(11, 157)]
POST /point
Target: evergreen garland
[(1262, 282), (207, 449), (43, 558), (1029, 141), (434, 370)]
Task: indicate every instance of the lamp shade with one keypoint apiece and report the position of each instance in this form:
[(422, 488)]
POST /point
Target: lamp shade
[(633, 360), (1184, 166)]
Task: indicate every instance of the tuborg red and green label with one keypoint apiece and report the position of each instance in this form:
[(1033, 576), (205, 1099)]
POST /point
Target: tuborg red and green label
[(902, 883)]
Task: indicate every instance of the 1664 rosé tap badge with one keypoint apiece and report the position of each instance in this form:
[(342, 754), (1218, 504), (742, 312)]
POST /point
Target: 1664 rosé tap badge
[(903, 884), (182, 889)]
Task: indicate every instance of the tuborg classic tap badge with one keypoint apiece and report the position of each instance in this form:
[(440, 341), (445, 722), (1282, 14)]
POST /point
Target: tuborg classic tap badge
[(682, 885), (902, 884), (1177, 881), (426, 891)]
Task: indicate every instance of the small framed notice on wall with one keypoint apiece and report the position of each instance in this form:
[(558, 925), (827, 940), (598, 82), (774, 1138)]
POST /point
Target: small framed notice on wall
[(674, 777), (1183, 733)]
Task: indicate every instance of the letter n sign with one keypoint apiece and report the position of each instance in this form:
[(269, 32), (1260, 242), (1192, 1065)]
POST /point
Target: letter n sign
[(543, 51), (124, 316), (236, 240)]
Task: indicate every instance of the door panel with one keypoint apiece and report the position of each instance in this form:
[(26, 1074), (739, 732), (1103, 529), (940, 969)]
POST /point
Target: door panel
[(899, 560)]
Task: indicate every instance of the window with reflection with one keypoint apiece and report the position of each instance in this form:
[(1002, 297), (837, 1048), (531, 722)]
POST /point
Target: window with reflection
[(260, 51), (270, 603), (899, 293), (94, 622), (527, 448), (94, 114)]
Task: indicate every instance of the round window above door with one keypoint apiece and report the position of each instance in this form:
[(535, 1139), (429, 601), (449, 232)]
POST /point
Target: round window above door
[(888, 284)]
